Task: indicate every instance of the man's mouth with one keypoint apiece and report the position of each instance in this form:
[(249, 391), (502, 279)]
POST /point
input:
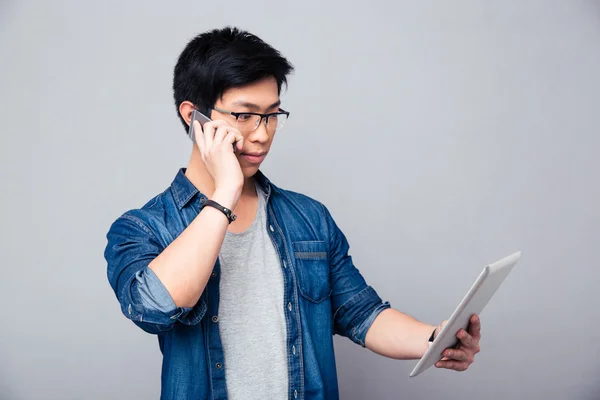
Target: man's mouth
[(254, 157)]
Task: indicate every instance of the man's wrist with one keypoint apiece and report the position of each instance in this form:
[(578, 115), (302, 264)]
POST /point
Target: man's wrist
[(226, 198)]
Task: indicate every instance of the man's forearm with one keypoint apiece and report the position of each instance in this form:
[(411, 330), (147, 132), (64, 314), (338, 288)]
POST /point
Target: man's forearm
[(397, 335), (184, 267)]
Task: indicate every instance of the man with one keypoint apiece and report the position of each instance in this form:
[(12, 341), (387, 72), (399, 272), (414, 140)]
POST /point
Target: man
[(243, 282)]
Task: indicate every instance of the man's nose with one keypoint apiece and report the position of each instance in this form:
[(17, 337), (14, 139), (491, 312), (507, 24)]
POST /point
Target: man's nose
[(261, 133)]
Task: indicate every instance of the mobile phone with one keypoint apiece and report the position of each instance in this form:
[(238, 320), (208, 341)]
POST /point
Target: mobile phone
[(202, 119), (196, 116)]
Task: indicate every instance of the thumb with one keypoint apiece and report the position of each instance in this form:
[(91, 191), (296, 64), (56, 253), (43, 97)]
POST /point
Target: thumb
[(440, 327)]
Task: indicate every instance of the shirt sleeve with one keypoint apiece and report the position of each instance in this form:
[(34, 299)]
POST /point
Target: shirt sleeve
[(142, 296), (355, 304)]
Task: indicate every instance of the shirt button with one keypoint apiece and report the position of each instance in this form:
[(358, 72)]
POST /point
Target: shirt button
[(213, 274), (295, 393), (215, 319), (271, 228), (219, 365), (290, 306), (202, 200), (294, 350)]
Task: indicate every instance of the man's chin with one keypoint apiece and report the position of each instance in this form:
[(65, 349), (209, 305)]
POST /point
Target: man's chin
[(249, 172)]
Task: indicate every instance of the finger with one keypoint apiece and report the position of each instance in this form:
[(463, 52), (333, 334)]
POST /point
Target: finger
[(454, 365), (458, 355), (220, 133), (231, 142), (466, 339), (240, 143), (235, 136), (199, 137), (475, 326), (209, 134), (198, 134)]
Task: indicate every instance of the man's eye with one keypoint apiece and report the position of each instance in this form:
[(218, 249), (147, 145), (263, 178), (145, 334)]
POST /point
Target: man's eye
[(245, 117)]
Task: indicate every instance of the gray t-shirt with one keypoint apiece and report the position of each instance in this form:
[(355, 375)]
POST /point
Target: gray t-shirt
[(251, 313)]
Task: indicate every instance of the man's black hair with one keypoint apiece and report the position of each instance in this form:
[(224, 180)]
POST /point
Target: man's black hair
[(221, 59)]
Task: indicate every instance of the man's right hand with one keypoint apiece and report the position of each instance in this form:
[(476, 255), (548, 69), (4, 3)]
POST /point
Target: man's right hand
[(215, 141)]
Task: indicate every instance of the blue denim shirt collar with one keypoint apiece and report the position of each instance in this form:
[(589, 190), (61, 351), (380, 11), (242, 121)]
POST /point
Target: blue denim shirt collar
[(184, 190)]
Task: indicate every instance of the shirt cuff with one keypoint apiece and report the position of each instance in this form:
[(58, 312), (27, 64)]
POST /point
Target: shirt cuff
[(153, 293), (156, 298), (358, 314)]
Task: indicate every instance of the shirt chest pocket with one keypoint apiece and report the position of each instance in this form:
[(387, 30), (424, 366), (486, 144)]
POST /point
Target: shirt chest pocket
[(312, 269)]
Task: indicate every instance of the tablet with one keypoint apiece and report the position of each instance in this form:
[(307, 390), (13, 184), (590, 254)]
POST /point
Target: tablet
[(474, 302)]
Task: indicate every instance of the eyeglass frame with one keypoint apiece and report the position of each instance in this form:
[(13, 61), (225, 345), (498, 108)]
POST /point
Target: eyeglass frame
[(266, 117)]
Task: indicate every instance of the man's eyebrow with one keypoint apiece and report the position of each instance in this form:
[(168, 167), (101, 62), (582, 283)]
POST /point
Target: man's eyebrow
[(252, 106), (276, 104)]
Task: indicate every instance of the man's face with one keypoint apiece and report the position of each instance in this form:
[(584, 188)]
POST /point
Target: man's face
[(259, 97)]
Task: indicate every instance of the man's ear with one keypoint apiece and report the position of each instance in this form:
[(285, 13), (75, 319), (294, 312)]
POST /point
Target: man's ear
[(185, 109)]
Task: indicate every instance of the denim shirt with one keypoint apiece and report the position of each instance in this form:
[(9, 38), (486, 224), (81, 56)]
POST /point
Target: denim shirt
[(324, 293)]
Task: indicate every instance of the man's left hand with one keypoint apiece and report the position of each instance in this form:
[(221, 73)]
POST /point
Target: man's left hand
[(463, 355)]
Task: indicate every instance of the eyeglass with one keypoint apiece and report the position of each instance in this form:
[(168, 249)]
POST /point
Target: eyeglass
[(249, 121)]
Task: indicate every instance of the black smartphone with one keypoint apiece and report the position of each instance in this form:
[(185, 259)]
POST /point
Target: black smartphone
[(201, 118)]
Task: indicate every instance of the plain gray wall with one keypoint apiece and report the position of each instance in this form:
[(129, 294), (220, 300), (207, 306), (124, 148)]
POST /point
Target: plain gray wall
[(442, 136)]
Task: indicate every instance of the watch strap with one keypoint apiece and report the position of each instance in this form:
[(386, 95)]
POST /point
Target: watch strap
[(228, 213)]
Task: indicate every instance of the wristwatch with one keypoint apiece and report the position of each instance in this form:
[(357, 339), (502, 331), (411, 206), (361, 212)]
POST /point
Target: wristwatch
[(228, 213), (432, 337)]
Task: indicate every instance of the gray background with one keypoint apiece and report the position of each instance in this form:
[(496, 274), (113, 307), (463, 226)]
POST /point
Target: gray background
[(471, 126)]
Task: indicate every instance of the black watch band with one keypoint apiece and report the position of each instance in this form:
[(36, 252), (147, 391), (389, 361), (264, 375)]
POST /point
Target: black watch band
[(432, 337), (228, 213)]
